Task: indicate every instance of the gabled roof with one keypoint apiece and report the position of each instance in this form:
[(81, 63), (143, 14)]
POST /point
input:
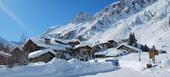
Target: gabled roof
[(2, 53), (54, 45), (19, 48), (101, 53), (16, 48), (67, 41), (82, 45), (128, 46), (111, 52), (40, 52), (99, 46)]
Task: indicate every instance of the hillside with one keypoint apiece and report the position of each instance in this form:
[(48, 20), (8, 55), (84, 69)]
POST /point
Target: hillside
[(145, 18), (5, 42)]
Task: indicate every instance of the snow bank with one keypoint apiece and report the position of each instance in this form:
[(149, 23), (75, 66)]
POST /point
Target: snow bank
[(166, 64), (132, 61), (132, 64), (57, 68)]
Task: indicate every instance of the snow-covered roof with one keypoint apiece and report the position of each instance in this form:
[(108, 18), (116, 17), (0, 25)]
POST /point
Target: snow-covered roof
[(67, 56), (5, 54), (16, 48), (100, 46), (131, 47), (101, 53), (115, 52), (81, 45), (52, 45), (40, 52), (111, 52), (66, 41)]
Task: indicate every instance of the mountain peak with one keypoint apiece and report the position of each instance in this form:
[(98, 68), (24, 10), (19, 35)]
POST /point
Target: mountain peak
[(118, 20), (81, 17)]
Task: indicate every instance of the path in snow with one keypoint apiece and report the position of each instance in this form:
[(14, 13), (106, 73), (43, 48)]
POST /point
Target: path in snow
[(123, 72)]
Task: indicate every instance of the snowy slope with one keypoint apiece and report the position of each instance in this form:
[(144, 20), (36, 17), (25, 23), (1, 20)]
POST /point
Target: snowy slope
[(5, 42), (149, 20), (150, 25), (100, 21)]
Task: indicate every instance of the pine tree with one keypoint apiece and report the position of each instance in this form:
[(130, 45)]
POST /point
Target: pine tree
[(142, 48), (132, 39), (146, 48), (153, 47)]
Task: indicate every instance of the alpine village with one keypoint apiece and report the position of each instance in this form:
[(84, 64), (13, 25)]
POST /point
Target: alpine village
[(44, 49)]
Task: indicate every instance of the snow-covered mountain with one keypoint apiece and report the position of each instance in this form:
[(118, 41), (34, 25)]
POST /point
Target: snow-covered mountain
[(5, 42), (148, 19)]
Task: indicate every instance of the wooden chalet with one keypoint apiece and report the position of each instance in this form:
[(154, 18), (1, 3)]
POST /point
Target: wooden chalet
[(100, 54), (44, 55), (19, 56), (35, 45), (95, 49), (31, 46), (129, 48), (5, 58), (109, 44), (72, 42), (82, 52)]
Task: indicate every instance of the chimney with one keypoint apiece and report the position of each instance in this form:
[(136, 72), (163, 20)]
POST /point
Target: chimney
[(47, 41)]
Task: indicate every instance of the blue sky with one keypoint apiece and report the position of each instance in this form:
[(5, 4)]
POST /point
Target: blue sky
[(33, 17)]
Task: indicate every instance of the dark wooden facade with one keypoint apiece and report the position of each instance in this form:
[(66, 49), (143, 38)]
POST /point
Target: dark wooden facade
[(94, 49), (43, 58), (30, 46), (19, 56), (74, 43), (109, 44), (4, 60), (83, 53)]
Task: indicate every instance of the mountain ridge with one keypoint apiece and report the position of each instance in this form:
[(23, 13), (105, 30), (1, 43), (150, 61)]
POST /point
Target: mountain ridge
[(118, 20)]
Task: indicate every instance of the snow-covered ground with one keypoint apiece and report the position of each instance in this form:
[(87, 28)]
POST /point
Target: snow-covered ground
[(104, 67), (131, 67), (150, 22), (58, 68), (123, 72)]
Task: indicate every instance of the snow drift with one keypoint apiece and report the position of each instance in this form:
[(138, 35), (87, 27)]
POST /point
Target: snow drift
[(57, 68)]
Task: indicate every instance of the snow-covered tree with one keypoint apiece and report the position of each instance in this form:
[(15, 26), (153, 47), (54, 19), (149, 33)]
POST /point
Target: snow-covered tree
[(4, 47), (23, 38)]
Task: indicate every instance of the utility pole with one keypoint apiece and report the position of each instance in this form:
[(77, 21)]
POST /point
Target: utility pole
[(139, 55), (139, 52)]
